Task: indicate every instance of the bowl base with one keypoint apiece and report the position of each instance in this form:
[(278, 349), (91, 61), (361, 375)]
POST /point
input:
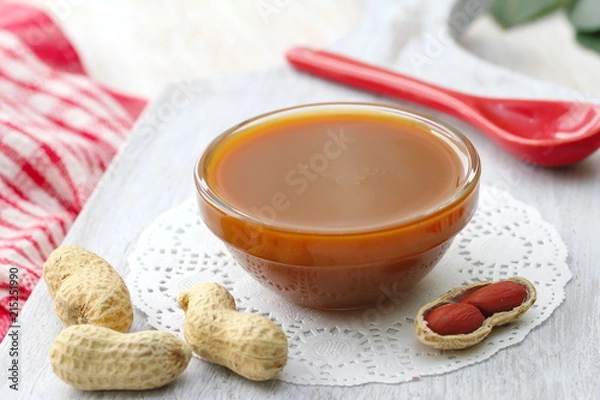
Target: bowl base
[(342, 287)]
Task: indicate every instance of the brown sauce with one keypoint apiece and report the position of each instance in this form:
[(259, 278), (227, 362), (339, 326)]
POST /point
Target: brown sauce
[(336, 173)]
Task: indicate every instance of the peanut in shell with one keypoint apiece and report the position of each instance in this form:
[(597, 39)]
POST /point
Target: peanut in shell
[(462, 341)]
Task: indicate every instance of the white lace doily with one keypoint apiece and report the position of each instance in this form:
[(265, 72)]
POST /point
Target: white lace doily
[(505, 238)]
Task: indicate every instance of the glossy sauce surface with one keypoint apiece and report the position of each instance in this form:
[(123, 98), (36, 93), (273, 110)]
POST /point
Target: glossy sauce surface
[(340, 172)]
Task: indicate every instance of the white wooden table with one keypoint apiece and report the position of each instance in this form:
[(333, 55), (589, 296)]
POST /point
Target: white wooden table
[(153, 172)]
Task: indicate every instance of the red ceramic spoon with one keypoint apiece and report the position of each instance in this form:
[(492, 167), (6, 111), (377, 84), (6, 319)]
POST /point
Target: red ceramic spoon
[(548, 133)]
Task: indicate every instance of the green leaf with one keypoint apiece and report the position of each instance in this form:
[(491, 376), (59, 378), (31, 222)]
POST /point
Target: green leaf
[(585, 15), (511, 13), (589, 40)]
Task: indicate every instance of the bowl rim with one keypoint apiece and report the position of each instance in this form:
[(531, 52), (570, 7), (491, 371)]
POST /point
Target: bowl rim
[(468, 184)]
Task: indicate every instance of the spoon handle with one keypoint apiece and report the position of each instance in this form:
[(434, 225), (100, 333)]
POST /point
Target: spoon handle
[(378, 80)]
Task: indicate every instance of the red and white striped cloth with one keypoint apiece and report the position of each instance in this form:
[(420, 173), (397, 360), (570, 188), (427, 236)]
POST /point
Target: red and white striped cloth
[(58, 132)]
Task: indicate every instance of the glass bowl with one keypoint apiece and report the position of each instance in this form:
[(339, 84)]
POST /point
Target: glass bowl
[(344, 268)]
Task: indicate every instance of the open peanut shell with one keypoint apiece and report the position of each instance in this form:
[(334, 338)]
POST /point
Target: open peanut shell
[(462, 341)]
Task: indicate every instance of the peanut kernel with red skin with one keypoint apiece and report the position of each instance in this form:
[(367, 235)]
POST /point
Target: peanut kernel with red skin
[(497, 297), (454, 319)]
